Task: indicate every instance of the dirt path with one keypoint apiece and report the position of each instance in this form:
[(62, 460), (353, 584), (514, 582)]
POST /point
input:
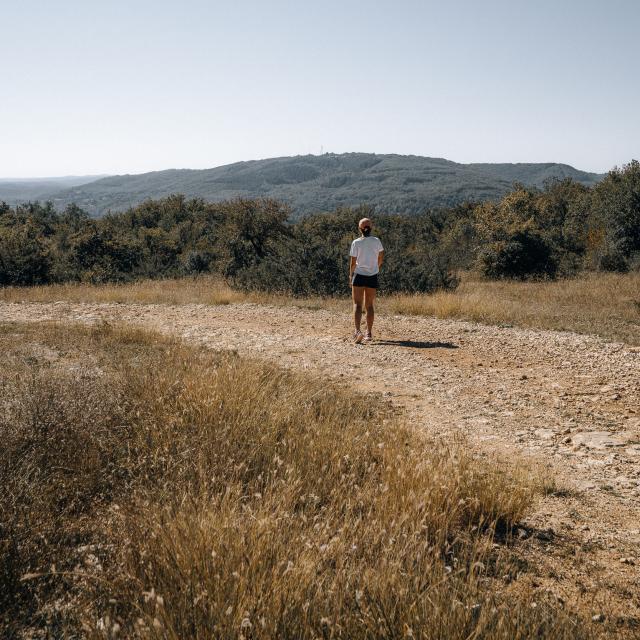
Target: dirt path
[(568, 401)]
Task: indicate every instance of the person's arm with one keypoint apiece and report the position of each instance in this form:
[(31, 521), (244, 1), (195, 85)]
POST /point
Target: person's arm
[(352, 266), (380, 258)]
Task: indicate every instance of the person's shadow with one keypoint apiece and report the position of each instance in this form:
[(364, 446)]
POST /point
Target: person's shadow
[(412, 344)]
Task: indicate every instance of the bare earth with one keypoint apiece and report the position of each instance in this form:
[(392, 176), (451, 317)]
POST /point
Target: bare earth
[(562, 400)]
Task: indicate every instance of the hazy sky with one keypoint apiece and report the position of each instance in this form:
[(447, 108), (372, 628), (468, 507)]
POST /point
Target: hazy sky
[(130, 86)]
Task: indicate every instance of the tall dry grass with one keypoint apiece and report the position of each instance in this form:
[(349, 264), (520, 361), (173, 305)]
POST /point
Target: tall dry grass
[(209, 290), (604, 304), (205, 290), (154, 490)]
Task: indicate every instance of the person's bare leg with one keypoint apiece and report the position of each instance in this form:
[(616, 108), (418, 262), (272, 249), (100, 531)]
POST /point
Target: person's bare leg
[(369, 299), (357, 293)]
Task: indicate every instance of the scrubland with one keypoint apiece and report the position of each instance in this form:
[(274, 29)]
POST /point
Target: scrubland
[(603, 304), (152, 489)]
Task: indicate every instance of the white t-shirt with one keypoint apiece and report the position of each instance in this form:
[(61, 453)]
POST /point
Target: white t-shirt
[(365, 250)]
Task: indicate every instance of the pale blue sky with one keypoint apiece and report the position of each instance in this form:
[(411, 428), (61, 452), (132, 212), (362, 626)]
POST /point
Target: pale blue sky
[(131, 86)]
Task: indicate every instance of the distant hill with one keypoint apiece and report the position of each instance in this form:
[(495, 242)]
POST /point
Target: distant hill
[(393, 183), (15, 190)]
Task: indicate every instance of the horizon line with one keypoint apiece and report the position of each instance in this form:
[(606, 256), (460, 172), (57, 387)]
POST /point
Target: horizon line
[(100, 175)]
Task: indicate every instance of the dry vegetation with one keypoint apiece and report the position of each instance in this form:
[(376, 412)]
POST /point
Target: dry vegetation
[(154, 490), (203, 290), (603, 304)]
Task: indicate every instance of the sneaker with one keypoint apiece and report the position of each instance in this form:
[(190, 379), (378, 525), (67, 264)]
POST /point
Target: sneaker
[(357, 336), (368, 338)]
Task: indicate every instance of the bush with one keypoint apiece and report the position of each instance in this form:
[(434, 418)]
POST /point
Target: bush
[(253, 232), (614, 261), (524, 255), (196, 262), (615, 213), (417, 274), (24, 258)]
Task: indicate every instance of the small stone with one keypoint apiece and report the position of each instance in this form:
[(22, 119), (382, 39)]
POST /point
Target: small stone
[(630, 561), (599, 617), (545, 536)]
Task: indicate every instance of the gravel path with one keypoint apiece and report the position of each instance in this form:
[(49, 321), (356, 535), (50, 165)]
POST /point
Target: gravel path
[(565, 400)]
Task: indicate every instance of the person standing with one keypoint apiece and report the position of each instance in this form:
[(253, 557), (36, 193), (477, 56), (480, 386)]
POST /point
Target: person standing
[(366, 256)]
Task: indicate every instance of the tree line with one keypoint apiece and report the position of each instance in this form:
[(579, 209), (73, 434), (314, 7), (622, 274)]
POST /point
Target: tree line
[(560, 230)]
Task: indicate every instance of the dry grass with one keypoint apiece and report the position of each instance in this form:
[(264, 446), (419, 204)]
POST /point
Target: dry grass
[(204, 290), (603, 304), (154, 490), (208, 290)]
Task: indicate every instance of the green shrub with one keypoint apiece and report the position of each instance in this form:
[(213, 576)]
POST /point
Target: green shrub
[(524, 255), (24, 258)]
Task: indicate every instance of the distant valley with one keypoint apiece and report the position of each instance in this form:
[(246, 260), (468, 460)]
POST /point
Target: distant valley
[(18, 190), (310, 184)]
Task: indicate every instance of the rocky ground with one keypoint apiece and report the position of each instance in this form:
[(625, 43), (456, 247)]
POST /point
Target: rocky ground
[(566, 403)]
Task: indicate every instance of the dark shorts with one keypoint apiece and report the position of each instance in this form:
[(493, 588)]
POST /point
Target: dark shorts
[(365, 281)]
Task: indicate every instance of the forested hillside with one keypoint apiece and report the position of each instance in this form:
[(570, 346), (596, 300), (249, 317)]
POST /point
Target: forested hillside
[(559, 230), (311, 184)]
